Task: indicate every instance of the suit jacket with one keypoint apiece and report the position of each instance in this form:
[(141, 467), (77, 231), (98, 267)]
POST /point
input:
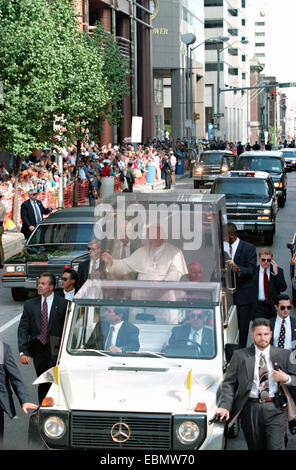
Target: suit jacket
[(83, 271), (30, 326), (10, 377), (293, 328), (28, 216), (246, 259), (127, 338), (239, 376), (277, 284), (180, 336)]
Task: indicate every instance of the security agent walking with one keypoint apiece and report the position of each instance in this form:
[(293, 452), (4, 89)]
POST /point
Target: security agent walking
[(32, 211), (40, 329), (2, 216), (244, 257), (10, 378), (250, 390)]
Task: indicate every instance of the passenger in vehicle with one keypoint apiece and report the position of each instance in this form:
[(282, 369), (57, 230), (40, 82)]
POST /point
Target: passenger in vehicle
[(92, 267), (156, 261), (195, 272), (115, 333), (192, 338)]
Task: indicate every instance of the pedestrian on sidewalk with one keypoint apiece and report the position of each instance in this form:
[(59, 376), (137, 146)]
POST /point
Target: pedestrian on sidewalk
[(2, 215)]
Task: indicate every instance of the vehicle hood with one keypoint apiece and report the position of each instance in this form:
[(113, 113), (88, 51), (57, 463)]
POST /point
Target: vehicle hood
[(243, 200), (57, 257), (149, 390)]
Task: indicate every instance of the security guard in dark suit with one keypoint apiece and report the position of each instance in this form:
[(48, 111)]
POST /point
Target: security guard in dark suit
[(11, 377)]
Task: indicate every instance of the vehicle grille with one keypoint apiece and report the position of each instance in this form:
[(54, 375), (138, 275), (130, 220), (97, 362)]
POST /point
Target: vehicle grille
[(91, 430), (212, 170), (35, 270), (248, 213)]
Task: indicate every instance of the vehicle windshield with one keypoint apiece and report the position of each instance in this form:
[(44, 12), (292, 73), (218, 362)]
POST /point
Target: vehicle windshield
[(252, 187), (61, 236), (143, 331), (211, 158), (260, 164), (291, 154)]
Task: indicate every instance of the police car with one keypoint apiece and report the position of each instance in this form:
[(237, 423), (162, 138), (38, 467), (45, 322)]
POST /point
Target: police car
[(251, 201)]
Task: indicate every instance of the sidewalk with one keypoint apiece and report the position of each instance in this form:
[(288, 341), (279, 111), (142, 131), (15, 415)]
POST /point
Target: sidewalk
[(13, 242)]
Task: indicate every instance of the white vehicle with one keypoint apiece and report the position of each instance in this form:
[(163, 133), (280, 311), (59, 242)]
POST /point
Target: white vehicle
[(158, 386)]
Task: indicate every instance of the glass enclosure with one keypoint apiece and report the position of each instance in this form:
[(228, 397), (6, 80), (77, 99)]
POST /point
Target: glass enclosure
[(143, 331), (61, 236)]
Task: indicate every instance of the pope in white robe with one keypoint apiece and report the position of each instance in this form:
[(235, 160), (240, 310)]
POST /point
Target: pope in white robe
[(156, 261)]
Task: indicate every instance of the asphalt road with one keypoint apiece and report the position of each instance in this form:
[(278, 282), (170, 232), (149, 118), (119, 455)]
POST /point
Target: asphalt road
[(16, 430)]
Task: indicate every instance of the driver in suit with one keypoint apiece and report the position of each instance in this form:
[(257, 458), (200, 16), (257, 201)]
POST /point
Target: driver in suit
[(115, 333), (191, 335)]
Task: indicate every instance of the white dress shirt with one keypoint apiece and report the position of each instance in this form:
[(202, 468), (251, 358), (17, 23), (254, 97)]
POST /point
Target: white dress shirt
[(233, 247), (69, 295), (288, 335), (115, 333), (273, 386), (195, 336), (261, 294), (91, 264), (37, 212), (49, 301), (127, 248)]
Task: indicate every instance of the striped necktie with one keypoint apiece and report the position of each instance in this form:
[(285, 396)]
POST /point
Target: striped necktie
[(44, 323)]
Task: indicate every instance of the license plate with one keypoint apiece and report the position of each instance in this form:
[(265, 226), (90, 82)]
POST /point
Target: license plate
[(239, 226)]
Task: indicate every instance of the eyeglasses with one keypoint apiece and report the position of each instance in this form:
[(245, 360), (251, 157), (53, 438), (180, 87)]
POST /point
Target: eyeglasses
[(91, 249), (196, 315), (283, 307), (66, 278), (266, 259)]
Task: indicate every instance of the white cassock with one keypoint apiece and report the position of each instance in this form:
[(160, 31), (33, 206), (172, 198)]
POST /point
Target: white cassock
[(163, 263)]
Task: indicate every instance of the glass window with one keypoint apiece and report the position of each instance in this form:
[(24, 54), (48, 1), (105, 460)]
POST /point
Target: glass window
[(259, 164), (143, 332), (234, 187), (211, 158), (73, 236)]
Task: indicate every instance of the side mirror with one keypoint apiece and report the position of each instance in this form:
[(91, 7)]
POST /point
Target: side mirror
[(229, 350), (290, 246)]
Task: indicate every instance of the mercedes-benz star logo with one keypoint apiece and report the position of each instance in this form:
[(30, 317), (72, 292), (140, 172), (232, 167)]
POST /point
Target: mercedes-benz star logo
[(120, 432)]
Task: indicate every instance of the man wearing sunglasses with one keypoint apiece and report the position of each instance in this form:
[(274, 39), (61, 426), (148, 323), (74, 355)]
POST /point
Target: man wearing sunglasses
[(32, 211), (192, 338), (269, 282), (284, 335)]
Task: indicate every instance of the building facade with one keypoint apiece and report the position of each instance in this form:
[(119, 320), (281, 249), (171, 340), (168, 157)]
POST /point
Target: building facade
[(178, 69), (130, 23), (226, 67)]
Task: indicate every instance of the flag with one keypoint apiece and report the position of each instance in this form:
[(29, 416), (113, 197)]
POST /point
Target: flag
[(189, 380), (294, 258), (51, 375)]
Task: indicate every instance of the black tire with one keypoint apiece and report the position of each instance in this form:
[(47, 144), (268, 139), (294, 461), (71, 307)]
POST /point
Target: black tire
[(282, 201), (196, 184), (268, 238), (19, 294)]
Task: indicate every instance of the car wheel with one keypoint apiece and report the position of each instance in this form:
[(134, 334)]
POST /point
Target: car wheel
[(282, 201), (19, 294), (196, 184), (268, 238)]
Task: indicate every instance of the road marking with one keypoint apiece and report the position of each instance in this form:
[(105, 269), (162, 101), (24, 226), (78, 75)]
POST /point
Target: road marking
[(10, 323)]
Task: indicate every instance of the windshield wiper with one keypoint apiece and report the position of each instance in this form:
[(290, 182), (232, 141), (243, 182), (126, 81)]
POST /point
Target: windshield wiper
[(145, 353), (96, 351)]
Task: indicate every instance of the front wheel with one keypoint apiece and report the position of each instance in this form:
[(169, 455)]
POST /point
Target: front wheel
[(19, 294), (268, 238), (196, 184)]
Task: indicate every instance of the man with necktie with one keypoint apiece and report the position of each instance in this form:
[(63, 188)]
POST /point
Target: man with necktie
[(244, 257), (269, 282), (40, 329), (250, 390), (284, 336), (92, 267), (32, 211)]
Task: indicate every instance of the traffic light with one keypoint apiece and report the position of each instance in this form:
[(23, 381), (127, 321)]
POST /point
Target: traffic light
[(273, 94)]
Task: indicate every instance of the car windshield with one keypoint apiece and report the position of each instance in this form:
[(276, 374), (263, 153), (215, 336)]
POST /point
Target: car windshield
[(241, 186), (211, 158), (259, 164), (291, 154), (63, 236), (143, 331)]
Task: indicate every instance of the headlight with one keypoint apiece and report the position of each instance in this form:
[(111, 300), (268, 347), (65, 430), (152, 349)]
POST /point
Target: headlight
[(10, 269), (187, 432), (18, 269), (266, 211), (54, 427), (276, 185), (198, 170), (224, 168)]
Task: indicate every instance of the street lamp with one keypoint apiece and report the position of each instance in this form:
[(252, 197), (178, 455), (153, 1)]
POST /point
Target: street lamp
[(219, 51), (187, 39), (213, 39)]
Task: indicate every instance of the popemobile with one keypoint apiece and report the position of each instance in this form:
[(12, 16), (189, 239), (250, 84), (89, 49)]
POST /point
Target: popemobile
[(145, 346)]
